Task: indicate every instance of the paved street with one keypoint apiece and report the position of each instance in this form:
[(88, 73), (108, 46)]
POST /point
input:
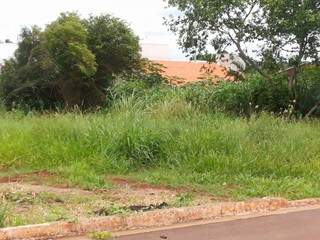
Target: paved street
[(291, 226)]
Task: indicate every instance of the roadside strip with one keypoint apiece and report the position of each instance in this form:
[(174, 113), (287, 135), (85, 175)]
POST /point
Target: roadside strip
[(154, 219)]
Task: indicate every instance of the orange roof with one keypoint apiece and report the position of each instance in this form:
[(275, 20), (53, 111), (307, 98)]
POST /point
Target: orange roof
[(184, 72)]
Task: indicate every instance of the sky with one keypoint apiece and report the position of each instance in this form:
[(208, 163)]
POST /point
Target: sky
[(144, 16)]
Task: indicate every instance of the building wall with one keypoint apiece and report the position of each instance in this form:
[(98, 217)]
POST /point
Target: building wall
[(155, 51)]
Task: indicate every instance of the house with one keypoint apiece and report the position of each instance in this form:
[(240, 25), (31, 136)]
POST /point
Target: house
[(155, 50), (184, 72)]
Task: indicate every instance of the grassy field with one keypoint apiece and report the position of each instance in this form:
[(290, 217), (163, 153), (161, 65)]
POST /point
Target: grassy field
[(170, 144)]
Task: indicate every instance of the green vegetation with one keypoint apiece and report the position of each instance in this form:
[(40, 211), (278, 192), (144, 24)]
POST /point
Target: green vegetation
[(235, 140), (76, 63), (184, 199), (69, 64), (252, 95), (25, 206), (286, 35), (169, 142), (287, 32), (100, 235), (3, 213)]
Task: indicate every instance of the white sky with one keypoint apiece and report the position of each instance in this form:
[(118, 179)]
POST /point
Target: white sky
[(144, 16)]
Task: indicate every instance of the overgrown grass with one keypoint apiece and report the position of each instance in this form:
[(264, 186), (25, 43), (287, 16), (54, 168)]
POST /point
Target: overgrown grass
[(3, 213), (170, 143)]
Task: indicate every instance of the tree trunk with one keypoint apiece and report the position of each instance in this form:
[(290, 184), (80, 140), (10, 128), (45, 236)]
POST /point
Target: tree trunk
[(70, 91)]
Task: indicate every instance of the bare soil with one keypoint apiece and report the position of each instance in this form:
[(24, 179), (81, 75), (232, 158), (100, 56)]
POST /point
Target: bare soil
[(36, 198)]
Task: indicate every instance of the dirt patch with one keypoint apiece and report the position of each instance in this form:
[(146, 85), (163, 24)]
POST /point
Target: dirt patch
[(140, 185), (34, 204), (200, 196), (140, 194), (34, 178), (125, 191), (34, 198), (20, 187), (31, 203)]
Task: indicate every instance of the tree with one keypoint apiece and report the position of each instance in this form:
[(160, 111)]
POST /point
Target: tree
[(294, 28), (66, 41), (208, 57), (219, 24), (269, 25), (71, 63), (115, 46), (293, 31), (28, 79)]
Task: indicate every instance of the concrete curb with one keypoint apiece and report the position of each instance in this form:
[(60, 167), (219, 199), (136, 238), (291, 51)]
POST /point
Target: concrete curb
[(159, 218)]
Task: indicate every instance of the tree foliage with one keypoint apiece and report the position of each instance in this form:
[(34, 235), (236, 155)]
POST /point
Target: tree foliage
[(281, 31), (66, 42), (293, 29), (28, 79), (70, 63), (112, 42)]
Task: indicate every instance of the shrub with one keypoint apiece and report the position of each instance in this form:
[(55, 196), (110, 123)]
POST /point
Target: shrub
[(233, 98), (309, 90), (200, 95), (254, 94)]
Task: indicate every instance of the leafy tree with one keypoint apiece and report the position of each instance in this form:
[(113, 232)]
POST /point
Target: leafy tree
[(115, 46), (66, 41), (208, 57), (294, 28), (293, 32), (70, 63), (276, 28), (28, 79), (218, 24)]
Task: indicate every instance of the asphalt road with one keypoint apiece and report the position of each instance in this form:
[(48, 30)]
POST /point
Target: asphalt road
[(291, 226)]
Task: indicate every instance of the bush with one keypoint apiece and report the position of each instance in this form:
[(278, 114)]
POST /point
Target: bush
[(233, 98), (309, 90), (254, 94), (200, 95)]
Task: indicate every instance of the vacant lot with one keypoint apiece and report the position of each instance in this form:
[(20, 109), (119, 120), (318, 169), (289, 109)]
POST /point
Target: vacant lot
[(171, 145)]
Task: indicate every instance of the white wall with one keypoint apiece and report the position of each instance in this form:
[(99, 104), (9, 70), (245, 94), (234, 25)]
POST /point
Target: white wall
[(155, 51)]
